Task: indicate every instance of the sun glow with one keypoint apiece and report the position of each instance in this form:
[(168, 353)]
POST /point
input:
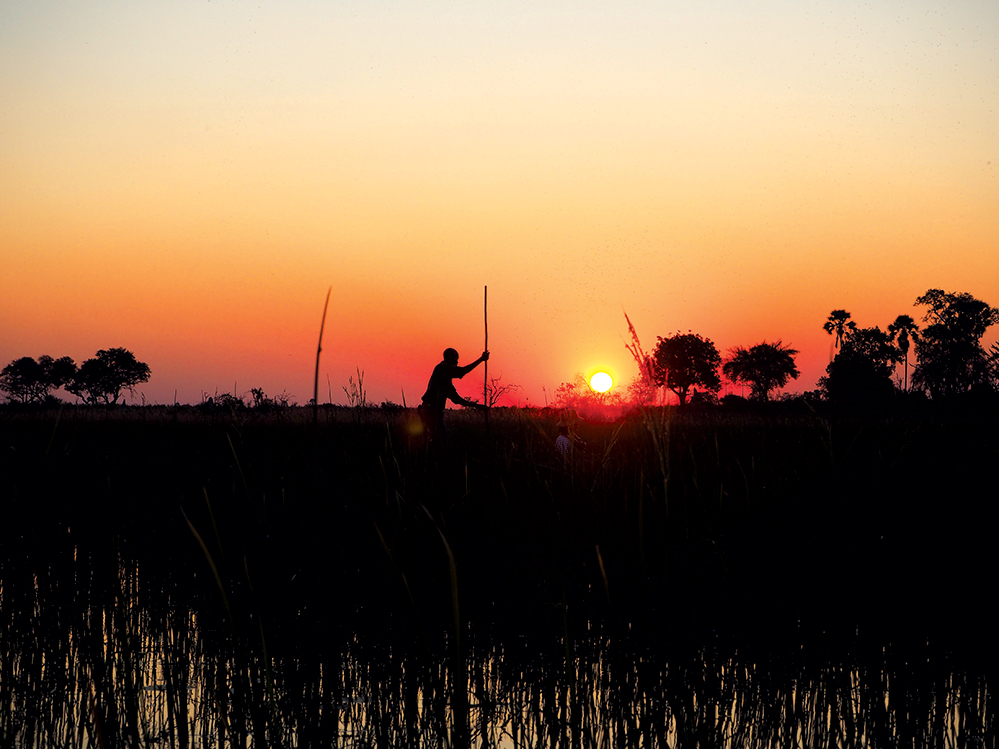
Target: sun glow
[(601, 382)]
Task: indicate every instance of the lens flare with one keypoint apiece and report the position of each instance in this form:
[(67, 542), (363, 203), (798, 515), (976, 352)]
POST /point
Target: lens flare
[(601, 382)]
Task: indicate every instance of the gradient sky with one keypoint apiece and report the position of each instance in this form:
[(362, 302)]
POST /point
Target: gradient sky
[(186, 180)]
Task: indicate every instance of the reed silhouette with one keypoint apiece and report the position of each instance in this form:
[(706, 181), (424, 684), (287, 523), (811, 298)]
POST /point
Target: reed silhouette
[(698, 579)]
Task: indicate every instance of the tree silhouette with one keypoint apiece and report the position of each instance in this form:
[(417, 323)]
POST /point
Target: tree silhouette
[(642, 391), (101, 379), (29, 381), (24, 380), (763, 367), (839, 323), (904, 330), (495, 390), (992, 360), (950, 357), (862, 368), (685, 361)]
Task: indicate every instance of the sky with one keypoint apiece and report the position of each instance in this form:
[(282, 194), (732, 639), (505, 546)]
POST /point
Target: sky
[(188, 179)]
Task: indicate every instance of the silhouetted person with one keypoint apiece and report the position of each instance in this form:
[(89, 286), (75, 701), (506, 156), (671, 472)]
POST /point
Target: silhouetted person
[(565, 442), (441, 389)]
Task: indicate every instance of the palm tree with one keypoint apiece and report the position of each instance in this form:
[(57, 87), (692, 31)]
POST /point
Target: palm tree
[(904, 328), (839, 321)]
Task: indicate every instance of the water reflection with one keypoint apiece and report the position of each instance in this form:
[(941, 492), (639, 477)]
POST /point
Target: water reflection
[(96, 652)]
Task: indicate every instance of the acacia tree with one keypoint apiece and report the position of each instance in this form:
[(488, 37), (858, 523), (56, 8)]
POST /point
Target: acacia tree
[(684, 362), (495, 390), (29, 381), (904, 330), (103, 378), (950, 357), (763, 367)]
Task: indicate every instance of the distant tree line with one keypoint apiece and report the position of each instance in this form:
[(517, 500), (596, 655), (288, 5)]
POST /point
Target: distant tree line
[(949, 358), (100, 380)]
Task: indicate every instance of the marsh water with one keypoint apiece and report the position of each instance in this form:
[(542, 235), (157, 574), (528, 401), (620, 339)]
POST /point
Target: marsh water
[(105, 654), (178, 607)]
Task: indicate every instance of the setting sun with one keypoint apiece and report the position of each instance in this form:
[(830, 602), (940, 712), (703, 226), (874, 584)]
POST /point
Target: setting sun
[(601, 382)]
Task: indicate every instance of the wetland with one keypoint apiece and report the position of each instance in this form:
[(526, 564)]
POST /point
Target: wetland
[(770, 577)]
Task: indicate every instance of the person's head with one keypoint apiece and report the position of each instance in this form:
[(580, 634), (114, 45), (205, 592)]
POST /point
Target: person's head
[(450, 356), (563, 428)]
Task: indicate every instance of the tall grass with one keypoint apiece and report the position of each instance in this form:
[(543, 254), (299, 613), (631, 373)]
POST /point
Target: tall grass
[(687, 509), (608, 599), (161, 675)]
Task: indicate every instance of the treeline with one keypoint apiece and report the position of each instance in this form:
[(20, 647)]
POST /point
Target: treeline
[(949, 357), (949, 360), (100, 380)]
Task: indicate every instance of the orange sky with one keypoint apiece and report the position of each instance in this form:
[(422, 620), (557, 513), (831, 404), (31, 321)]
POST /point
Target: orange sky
[(186, 180)]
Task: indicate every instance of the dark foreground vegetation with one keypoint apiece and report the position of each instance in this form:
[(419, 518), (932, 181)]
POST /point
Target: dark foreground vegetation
[(755, 577)]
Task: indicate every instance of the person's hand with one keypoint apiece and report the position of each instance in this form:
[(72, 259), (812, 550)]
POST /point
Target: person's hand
[(485, 356)]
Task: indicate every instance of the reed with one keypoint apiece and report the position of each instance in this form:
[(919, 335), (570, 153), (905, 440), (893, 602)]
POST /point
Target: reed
[(319, 350), (588, 689), (600, 600)]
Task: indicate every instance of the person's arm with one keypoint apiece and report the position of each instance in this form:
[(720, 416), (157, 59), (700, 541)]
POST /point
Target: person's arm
[(455, 398), (470, 404), (468, 368)]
